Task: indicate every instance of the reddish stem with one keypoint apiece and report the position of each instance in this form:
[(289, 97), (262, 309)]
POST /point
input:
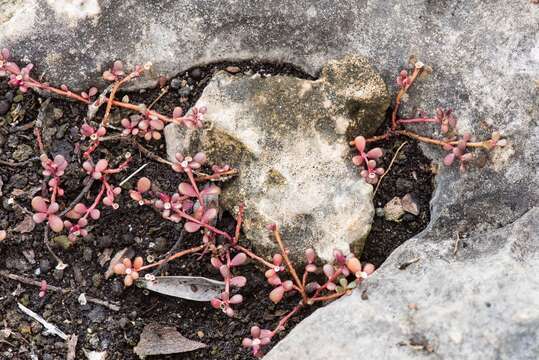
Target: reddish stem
[(284, 320), (194, 185), (417, 121), (216, 176), (117, 85), (239, 221), (329, 297), (175, 256), (209, 227), (289, 264), (254, 256), (400, 94)]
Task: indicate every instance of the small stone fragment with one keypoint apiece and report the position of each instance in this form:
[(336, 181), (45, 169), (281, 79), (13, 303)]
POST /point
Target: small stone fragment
[(23, 152), (393, 210), (233, 69), (409, 204), (4, 107)]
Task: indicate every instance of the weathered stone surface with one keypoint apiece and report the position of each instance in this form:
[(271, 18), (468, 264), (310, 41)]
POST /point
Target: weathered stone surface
[(482, 303), (288, 138)]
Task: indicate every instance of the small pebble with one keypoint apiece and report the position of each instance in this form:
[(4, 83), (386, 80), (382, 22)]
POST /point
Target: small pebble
[(133, 315), (105, 241), (196, 74), (379, 212), (61, 131), (97, 280), (175, 83), (117, 288), (57, 113), (161, 244), (58, 274), (87, 254), (404, 185), (36, 327), (44, 266), (408, 218), (233, 69), (23, 152), (185, 91), (123, 322), (4, 107)]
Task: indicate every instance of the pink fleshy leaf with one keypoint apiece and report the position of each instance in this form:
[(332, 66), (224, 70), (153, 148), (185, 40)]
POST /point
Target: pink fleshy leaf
[(55, 223), (95, 214), (375, 153), (360, 143), (39, 204), (216, 303), (236, 299), (200, 158), (357, 160), (238, 281), (178, 111), (143, 184), (238, 260), (191, 227), (109, 76), (209, 215), (101, 165), (277, 294), (39, 217), (448, 159), (187, 189), (216, 263)]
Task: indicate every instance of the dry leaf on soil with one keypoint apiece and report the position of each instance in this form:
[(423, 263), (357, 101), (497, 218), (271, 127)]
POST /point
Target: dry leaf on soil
[(158, 339)]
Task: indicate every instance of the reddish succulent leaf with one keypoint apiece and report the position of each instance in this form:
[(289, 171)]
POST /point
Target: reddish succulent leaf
[(187, 189)]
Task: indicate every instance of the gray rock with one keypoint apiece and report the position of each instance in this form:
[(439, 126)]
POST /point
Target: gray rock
[(478, 304), (287, 137)]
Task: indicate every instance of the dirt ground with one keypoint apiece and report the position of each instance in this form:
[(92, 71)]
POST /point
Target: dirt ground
[(145, 233)]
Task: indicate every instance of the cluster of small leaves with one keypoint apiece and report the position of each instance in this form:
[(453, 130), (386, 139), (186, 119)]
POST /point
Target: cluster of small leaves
[(367, 160), (455, 144), (341, 276), (48, 209)]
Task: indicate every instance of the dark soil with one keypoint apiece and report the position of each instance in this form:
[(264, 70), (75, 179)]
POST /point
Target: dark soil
[(145, 233)]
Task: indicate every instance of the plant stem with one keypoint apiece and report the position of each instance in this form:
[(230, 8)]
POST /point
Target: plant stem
[(284, 320), (254, 256), (239, 221), (217, 176), (80, 196), (328, 297), (417, 121), (175, 256), (289, 263), (117, 85), (388, 168), (400, 94)]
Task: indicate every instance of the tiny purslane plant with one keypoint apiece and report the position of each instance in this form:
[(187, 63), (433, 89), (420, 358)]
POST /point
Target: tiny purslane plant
[(194, 204)]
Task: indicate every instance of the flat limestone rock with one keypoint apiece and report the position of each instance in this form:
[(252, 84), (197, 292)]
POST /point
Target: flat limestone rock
[(478, 303), (288, 137)]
